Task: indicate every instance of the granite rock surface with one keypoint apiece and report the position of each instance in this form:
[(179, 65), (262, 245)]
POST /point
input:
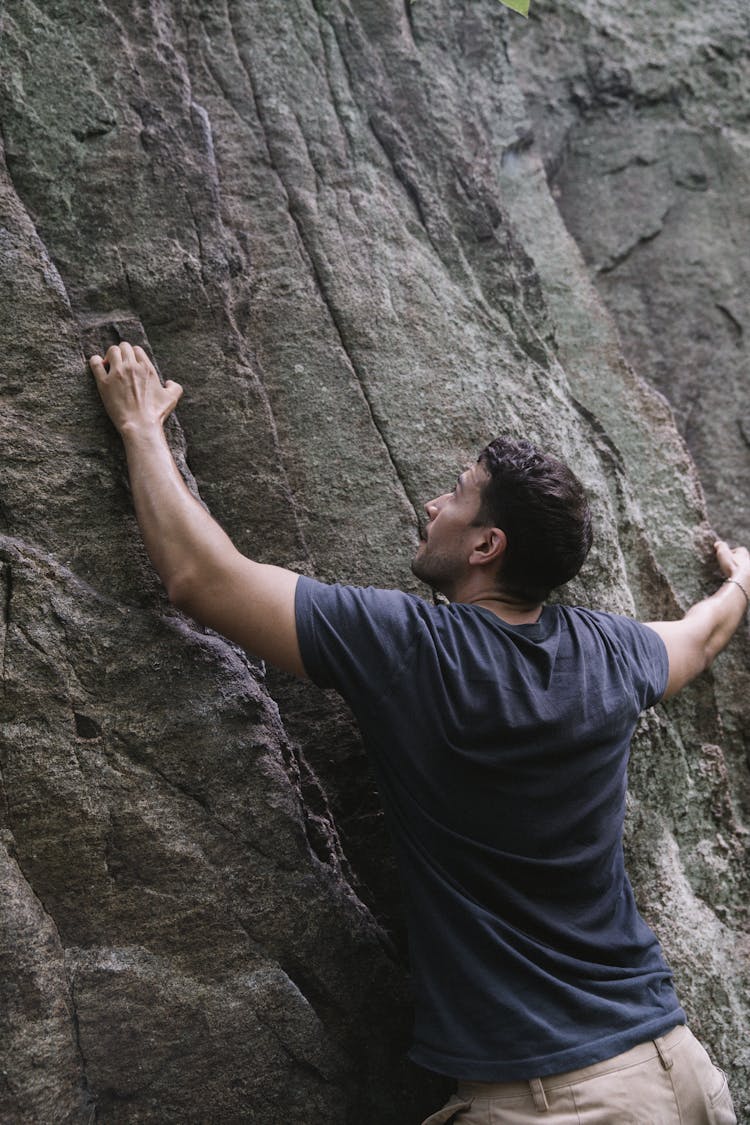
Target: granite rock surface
[(642, 114), (351, 230)]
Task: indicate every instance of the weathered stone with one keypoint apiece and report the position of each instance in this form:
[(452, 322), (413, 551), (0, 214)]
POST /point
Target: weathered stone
[(643, 116), (331, 223)]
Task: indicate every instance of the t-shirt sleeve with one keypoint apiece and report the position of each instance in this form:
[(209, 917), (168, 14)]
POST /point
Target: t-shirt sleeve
[(646, 657), (356, 639)]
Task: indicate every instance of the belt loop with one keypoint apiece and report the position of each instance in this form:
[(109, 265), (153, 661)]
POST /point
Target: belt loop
[(537, 1092), (666, 1059)]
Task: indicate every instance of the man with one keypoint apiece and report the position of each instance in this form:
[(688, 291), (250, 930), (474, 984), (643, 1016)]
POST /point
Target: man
[(498, 728)]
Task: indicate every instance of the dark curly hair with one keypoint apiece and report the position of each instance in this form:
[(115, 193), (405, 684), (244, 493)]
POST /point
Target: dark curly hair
[(542, 508)]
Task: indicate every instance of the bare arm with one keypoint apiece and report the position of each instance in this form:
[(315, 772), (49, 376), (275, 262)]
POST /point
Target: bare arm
[(204, 573), (709, 625)]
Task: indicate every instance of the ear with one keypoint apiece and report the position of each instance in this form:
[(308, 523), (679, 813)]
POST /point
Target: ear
[(489, 546)]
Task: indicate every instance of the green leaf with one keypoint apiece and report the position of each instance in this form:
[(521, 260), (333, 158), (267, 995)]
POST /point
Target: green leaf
[(521, 6)]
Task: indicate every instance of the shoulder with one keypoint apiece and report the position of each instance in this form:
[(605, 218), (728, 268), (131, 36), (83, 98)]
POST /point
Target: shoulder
[(616, 624), (613, 628), (315, 597), (635, 646), (349, 634)]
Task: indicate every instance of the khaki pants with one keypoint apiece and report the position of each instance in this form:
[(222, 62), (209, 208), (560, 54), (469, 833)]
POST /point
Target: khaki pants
[(667, 1081)]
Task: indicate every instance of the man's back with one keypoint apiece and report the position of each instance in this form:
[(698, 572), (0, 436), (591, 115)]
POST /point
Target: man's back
[(501, 753)]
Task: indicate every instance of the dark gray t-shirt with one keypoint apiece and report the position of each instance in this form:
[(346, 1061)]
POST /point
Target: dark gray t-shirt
[(501, 755)]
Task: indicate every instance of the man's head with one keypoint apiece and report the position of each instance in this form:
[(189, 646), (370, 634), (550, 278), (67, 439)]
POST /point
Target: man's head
[(542, 508), (518, 514)]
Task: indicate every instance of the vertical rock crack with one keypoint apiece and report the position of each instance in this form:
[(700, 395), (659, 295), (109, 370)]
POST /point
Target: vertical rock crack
[(320, 284), (7, 579)]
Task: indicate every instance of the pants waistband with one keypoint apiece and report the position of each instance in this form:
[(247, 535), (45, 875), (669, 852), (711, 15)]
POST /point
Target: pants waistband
[(653, 1048)]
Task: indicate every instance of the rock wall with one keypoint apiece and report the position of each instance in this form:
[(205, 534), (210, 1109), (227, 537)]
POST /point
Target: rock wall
[(331, 222), (642, 114)]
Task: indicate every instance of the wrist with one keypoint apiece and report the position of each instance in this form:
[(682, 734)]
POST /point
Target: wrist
[(742, 582), (139, 429)]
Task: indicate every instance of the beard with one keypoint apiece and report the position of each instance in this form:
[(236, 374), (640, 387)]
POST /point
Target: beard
[(438, 569)]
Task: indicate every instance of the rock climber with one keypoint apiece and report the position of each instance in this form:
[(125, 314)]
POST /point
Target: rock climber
[(498, 726)]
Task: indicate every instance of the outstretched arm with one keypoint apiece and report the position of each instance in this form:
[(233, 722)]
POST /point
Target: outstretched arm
[(204, 574), (709, 625)]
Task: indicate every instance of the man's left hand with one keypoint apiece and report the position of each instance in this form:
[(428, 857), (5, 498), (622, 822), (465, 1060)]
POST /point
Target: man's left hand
[(131, 390)]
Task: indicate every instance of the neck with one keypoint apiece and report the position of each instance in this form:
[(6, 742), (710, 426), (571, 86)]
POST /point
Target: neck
[(515, 613), (514, 610)]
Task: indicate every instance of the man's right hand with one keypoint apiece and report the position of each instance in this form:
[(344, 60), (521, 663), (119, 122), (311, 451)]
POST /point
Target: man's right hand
[(709, 625), (734, 563)]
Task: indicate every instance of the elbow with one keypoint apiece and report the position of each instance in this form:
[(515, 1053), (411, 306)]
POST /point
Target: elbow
[(195, 588), (181, 591), (710, 652)]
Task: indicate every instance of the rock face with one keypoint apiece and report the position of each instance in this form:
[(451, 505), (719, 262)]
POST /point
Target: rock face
[(331, 223), (642, 113)]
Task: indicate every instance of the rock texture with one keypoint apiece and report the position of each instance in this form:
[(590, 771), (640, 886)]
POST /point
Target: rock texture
[(642, 114), (331, 222)]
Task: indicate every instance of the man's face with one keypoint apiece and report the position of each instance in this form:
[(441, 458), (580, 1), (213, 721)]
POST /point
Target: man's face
[(442, 557)]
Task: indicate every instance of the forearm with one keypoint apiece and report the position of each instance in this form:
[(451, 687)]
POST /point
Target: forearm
[(181, 538), (709, 625), (718, 617), (205, 575)]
